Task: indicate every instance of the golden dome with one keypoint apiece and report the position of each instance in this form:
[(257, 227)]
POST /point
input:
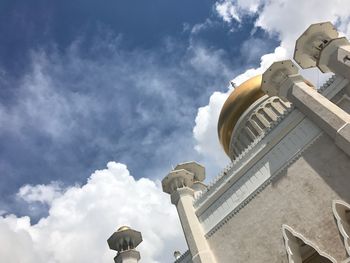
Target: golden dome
[(238, 102), (123, 228)]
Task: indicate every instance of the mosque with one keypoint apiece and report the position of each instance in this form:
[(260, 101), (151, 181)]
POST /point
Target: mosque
[(285, 197)]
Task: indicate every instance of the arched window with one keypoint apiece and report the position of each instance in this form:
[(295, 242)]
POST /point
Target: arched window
[(299, 250), (341, 212)]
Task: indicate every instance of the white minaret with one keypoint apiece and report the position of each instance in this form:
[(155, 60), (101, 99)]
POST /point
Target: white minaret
[(320, 46), (125, 240), (282, 79), (179, 184)]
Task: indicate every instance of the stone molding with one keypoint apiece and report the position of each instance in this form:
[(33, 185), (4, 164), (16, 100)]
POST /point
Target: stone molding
[(289, 236), (333, 86), (328, 82), (248, 157), (176, 195), (255, 122), (343, 225), (240, 161), (260, 175), (177, 179)]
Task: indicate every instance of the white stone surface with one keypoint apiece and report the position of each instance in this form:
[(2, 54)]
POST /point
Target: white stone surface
[(255, 122), (263, 170), (197, 244), (129, 256), (178, 184), (212, 211)]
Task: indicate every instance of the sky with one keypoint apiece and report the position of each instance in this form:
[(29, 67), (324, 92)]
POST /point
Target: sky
[(99, 99)]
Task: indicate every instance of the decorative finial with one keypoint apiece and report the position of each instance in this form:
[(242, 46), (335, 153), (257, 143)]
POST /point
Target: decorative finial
[(177, 254), (123, 228)]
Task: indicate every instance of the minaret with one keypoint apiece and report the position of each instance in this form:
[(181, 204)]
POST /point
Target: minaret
[(182, 183), (320, 46), (282, 79), (125, 240)]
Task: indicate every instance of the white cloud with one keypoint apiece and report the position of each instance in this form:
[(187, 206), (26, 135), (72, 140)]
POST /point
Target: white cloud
[(205, 130), (287, 20), (82, 218), (290, 18), (230, 10), (227, 11), (41, 104), (16, 243), (265, 61), (248, 6), (40, 193), (114, 102), (209, 62)]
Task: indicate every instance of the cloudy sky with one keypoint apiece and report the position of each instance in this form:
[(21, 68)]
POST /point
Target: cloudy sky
[(98, 99)]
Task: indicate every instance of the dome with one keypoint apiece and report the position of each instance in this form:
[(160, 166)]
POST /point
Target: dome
[(236, 104), (123, 228)]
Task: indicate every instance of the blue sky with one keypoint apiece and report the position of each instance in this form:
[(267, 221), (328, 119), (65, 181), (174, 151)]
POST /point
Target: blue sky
[(85, 82), (98, 99)]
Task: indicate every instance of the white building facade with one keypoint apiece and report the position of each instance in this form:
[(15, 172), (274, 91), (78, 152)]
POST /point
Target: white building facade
[(285, 196)]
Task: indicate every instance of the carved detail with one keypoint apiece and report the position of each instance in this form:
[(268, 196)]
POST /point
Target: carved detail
[(256, 122), (327, 84), (261, 188), (184, 258), (301, 250), (341, 212)]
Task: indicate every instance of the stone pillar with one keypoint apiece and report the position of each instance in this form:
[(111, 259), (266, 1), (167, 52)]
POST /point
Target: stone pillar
[(178, 183), (282, 79), (320, 46), (125, 240)]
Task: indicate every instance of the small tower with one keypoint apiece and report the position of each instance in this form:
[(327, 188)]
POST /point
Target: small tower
[(320, 46), (182, 183), (125, 240)]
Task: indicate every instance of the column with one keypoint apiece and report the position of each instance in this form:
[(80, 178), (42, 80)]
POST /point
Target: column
[(178, 184)]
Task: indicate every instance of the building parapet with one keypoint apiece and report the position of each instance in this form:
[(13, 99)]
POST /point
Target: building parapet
[(243, 158), (184, 258)]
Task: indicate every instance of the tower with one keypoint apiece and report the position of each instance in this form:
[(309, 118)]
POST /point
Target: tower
[(125, 240), (181, 184)]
